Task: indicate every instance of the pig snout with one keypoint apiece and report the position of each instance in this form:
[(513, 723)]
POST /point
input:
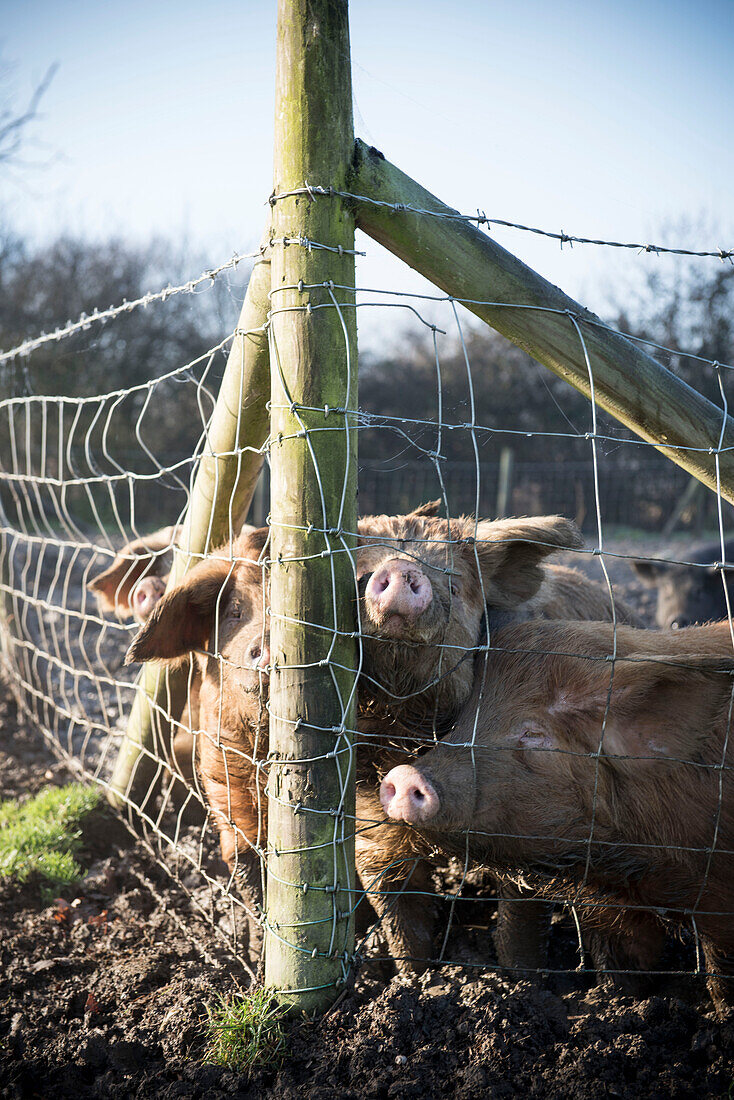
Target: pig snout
[(145, 596), (406, 795), (399, 588)]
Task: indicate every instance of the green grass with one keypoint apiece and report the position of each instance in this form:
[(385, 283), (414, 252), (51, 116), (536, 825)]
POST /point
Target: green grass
[(246, 1031), (40, 837)]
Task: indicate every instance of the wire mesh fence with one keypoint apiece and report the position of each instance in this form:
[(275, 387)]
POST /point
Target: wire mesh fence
[(639, 493), (643, 494), (530, 796)]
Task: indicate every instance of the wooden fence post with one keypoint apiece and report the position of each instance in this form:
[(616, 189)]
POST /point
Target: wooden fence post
[(504, 482), (687, 499), (467, 264), (309, 936), (222, 490)]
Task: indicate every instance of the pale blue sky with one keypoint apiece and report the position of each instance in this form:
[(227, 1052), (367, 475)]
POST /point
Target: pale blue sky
[(596, 118)]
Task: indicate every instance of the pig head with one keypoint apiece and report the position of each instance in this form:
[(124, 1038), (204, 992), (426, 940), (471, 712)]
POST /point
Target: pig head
[(132, 585), (136, 580), (690, 592), (426, 588)]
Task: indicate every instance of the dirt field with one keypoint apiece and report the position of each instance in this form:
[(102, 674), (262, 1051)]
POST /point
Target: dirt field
[(102, 994)]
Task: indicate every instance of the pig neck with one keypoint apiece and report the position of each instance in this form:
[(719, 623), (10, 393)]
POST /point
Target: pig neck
[(425, 719), (497, 618)]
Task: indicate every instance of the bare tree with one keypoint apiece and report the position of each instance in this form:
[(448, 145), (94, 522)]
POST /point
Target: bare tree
[(16, 121)]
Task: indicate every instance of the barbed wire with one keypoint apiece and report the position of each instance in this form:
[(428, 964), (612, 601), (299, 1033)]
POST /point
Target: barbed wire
[(102, 316), (480, 218)]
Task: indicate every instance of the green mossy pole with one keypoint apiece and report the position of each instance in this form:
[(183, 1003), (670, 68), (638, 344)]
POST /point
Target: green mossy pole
[(232, 459), (309, 930), (465, 263), (222, 490)]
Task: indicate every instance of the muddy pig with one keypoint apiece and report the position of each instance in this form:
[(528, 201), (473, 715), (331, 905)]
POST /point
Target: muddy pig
[(216, 615), (511, 572), (136, 580), (690, 593), (429, 588), (609, 785)]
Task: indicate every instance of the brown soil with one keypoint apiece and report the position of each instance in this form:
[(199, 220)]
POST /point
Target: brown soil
[(102, 994)]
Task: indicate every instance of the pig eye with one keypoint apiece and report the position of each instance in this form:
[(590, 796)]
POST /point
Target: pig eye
[(454, 589), (533, 738)]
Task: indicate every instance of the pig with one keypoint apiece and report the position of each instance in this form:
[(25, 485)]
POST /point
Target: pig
[(215, 617), (608, 783), (430, 589), (690, 593), (510, 568), (133, 585)]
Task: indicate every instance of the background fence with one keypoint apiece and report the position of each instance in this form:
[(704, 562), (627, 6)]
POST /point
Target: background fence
[(637, 493)]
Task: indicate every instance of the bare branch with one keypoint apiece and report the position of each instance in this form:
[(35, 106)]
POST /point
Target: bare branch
[(13, 126)]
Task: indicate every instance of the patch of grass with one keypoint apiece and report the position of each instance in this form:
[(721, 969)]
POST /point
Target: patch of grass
[(41, 836), (246, 1031)]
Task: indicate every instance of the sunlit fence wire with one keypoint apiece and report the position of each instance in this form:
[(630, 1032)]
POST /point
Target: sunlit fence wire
[(448, 599)]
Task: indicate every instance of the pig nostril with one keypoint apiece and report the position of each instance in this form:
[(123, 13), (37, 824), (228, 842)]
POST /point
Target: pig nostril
[(389, 791), (417, 794)]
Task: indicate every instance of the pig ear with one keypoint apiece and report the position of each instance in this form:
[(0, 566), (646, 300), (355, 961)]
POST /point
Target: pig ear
[(650, 572), (255, 541), (510, 552), (430, 509), (660, 706), (113, 586), (184, 619)]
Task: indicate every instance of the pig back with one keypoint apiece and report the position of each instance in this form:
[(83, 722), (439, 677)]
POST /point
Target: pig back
[(567, 593)]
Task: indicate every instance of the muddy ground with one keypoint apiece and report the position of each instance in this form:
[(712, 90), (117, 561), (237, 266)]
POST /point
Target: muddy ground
[(103, 994)]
